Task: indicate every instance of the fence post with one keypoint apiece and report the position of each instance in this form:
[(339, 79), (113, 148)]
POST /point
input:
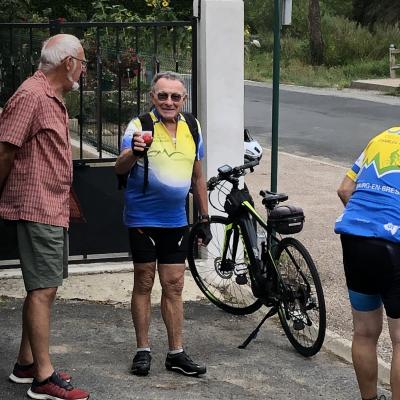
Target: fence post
[(392, 61), (54, 27)]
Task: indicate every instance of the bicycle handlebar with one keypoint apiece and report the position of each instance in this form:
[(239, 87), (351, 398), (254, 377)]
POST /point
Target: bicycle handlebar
[(227, 173)]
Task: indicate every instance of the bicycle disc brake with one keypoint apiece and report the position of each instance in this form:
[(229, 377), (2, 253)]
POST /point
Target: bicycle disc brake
[(224, 268)]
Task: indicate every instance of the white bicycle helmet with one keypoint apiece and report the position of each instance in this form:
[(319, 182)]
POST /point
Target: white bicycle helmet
[(252, 149)]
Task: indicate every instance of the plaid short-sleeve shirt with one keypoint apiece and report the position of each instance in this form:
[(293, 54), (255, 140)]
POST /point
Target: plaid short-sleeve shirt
[(38, 186)]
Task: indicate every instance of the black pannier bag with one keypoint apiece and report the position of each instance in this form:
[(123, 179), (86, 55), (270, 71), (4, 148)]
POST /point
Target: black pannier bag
[(286, 219)]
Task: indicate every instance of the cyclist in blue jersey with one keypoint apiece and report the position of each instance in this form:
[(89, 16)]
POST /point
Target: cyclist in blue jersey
[(155, 215), (370, 234)]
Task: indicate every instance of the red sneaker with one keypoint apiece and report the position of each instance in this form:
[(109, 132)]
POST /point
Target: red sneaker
[(54, 388), (24, 374)]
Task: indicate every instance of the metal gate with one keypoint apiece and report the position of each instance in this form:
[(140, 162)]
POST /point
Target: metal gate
[(122, 60)]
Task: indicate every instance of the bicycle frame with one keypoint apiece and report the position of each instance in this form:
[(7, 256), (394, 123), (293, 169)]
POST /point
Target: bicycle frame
[(242, 226), (249, 235)]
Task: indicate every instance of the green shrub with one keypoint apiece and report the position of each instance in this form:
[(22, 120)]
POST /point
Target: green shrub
[(367, 69), (345, 41), (109, 105), (384, 36), (294, 48)]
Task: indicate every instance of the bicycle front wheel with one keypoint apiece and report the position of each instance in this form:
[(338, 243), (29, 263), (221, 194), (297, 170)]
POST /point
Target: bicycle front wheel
[(302, 309), (225, 281)]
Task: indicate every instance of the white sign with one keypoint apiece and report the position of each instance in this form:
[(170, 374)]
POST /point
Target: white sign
[(286, 12)]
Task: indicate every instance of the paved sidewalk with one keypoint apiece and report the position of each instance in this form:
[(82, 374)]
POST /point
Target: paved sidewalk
[(384, 85)]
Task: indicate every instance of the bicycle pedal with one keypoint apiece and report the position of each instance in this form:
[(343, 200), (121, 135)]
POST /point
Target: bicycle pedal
[(298, 325), (241, 279)]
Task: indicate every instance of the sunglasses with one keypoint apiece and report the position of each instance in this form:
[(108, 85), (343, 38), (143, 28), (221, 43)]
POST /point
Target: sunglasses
[(163, 96)]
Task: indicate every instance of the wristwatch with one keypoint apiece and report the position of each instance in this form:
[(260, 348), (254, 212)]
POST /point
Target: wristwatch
[(204, 217)]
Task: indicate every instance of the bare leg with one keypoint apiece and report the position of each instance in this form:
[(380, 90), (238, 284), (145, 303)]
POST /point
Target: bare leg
[(367, 328), (37, 310), (25, 356), (141, 301), (394, 329), (172, 279)]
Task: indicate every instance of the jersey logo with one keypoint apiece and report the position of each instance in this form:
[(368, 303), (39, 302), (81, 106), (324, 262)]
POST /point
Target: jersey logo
[(165, 152), (391, 228), (383, 161)]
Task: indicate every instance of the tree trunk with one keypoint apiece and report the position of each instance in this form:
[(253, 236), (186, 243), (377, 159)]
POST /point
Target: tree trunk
[(316, 42)]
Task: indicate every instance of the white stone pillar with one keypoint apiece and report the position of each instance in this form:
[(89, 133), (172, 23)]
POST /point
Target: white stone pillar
[(221, 81)]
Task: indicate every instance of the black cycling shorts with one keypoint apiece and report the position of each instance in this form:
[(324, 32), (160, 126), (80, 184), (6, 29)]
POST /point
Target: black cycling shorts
[(372, 269), (165, 245)]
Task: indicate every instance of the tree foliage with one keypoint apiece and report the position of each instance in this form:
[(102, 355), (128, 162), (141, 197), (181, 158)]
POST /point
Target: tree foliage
[(259, 13), (77, 10), (368, 12)]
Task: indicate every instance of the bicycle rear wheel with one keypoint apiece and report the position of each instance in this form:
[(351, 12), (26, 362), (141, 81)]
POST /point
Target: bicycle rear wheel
[(224, 283), (302, 309)]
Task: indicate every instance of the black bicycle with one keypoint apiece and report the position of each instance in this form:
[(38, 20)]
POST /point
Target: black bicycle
[(248, 264)]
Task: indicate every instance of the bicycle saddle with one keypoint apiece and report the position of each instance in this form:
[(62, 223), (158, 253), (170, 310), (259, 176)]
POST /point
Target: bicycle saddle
[(270, 199)]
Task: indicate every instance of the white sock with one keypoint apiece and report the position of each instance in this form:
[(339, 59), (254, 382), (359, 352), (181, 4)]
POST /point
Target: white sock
[(143, 349), (175, 351)]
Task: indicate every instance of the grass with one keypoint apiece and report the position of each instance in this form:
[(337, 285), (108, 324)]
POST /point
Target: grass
[(258, 67), (351, 52)]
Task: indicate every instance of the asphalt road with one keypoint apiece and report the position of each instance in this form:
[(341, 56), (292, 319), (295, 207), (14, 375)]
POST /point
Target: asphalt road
[(321, 125), (95, 343)]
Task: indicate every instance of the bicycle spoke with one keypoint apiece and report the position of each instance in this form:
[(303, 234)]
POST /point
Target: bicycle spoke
[(302, 311), (216, 277)]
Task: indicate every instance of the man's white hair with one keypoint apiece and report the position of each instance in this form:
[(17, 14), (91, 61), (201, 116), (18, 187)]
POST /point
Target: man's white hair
[(54, 51), (173, 76)]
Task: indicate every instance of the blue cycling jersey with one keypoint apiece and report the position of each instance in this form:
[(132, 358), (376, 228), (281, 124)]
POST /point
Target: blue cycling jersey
[(374, 208)]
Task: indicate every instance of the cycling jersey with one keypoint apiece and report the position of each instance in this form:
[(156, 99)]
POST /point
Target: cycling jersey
[(170, 173), (374, 208)]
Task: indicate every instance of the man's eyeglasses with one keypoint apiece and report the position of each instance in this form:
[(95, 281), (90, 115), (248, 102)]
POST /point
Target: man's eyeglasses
[(163, 96), (83, 62)]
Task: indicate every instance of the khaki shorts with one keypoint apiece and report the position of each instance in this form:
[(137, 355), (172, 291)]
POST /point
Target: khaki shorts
[(43, 251)]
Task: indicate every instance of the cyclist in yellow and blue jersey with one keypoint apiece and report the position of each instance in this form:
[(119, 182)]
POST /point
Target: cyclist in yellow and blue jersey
[(370, 234), (170, 172), (160, 176)]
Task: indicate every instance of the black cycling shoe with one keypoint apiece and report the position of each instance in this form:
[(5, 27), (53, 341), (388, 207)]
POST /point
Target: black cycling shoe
[(141, 363), (183, 364)]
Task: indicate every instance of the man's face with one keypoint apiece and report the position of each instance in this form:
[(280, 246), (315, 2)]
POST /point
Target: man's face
[(81, 67), (168, 98), (78, 66)]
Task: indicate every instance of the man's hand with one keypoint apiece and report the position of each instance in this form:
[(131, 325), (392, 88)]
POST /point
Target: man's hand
[(138, 144), (204, 233)]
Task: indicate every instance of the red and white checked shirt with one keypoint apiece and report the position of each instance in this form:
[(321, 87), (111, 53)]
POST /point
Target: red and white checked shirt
[(38, 186)]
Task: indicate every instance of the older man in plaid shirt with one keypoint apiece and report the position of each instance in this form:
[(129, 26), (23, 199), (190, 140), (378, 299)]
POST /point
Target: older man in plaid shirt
[(35, 183)]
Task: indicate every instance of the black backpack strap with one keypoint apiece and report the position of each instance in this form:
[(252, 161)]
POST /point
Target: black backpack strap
[(147, 125), (147, 122), (193, 127)]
